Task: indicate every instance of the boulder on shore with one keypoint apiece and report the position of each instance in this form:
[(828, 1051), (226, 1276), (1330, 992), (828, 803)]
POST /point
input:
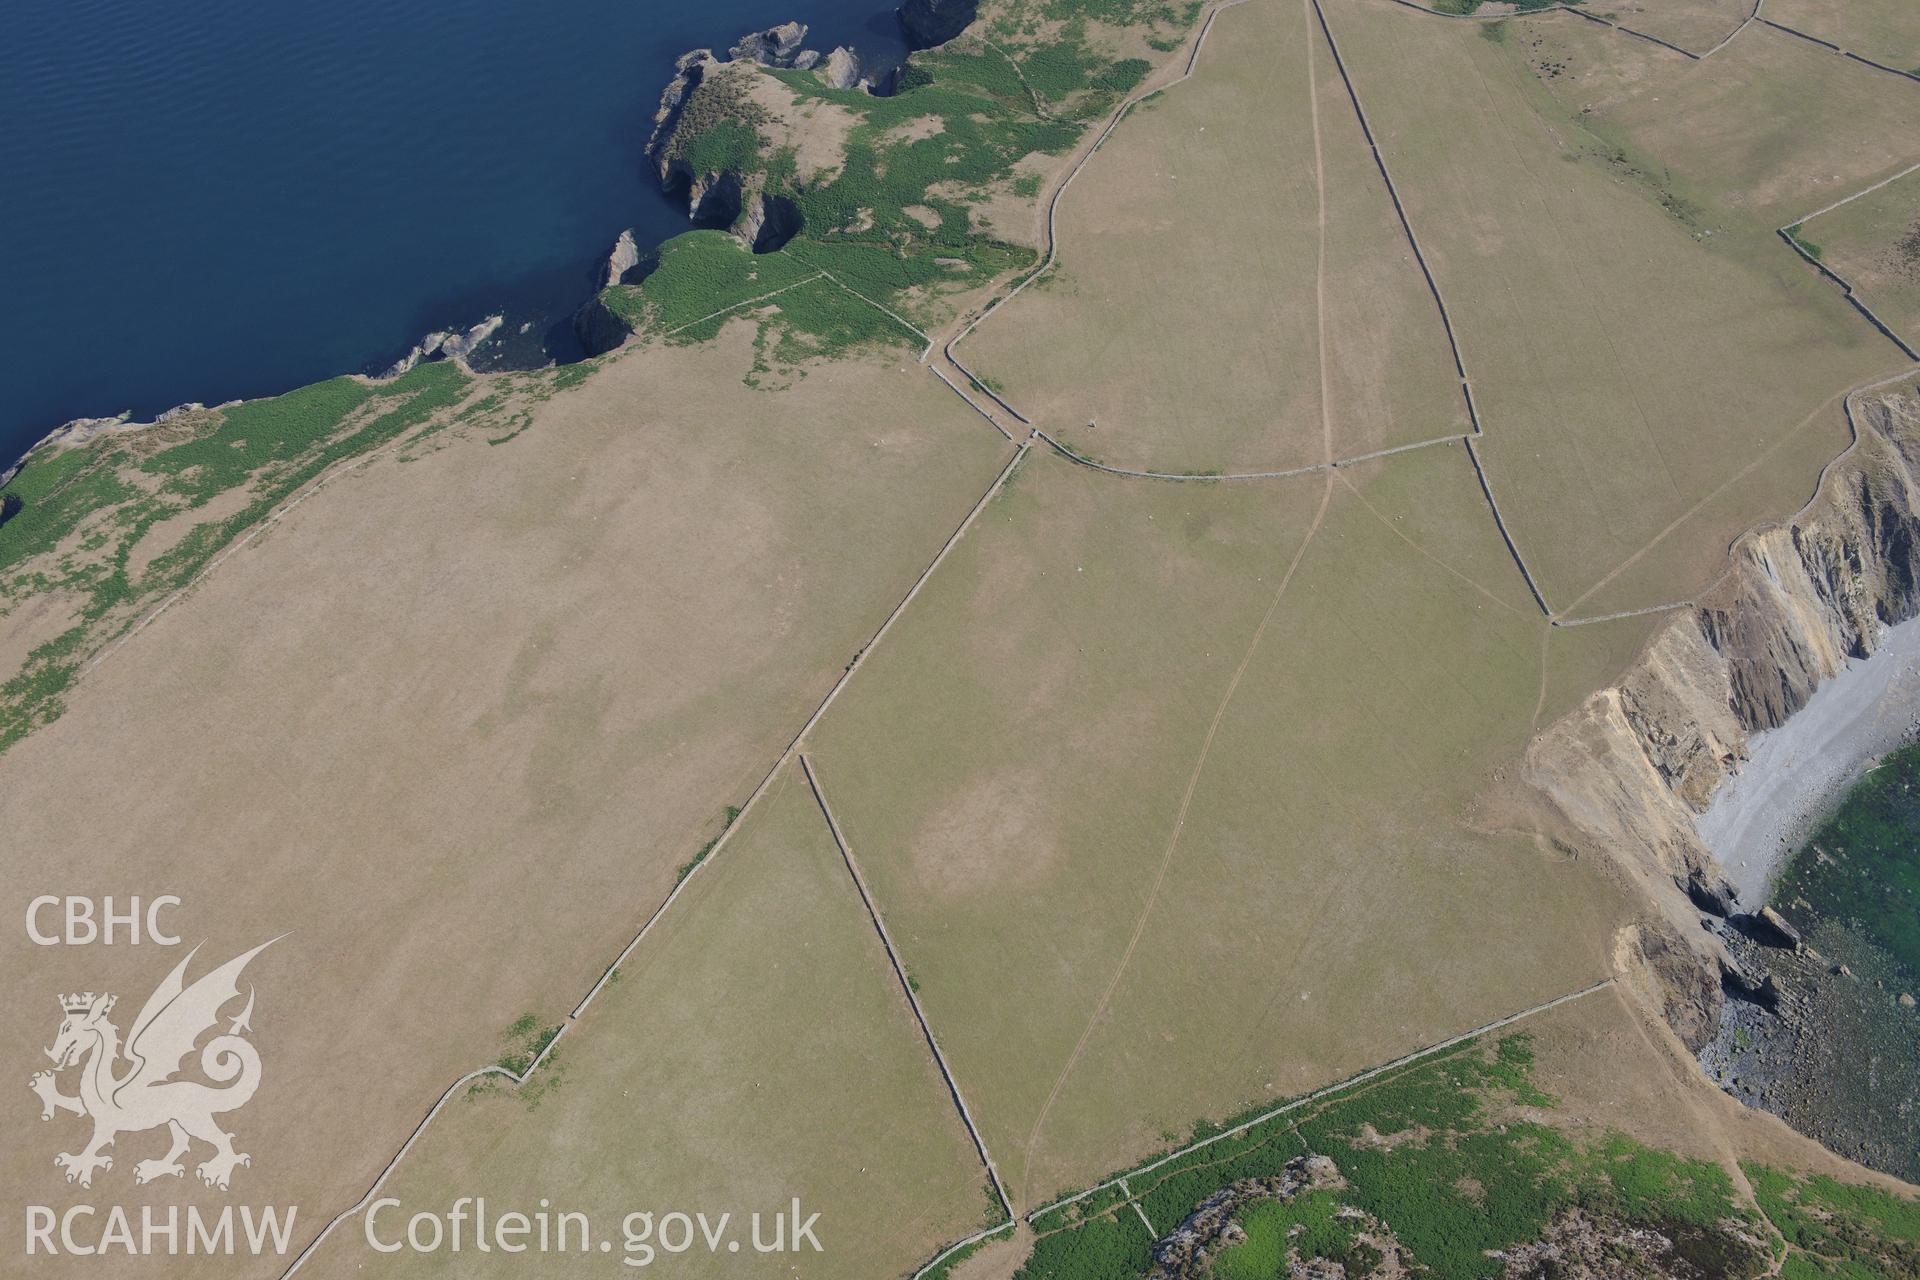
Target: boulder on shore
[(1712, 894), (842, 68), (1775, 929), (774, 47)]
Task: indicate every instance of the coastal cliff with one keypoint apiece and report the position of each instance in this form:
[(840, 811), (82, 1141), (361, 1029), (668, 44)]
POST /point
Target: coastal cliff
[(927, 23), (1636, 763), (909, 187)]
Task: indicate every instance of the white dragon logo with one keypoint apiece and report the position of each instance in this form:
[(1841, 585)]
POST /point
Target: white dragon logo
[(144, 1095)]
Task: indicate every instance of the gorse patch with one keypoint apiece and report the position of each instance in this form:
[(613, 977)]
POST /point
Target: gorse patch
[(1430, 1154), (1833, 1229)]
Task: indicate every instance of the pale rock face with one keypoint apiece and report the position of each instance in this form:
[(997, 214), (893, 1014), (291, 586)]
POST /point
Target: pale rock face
[(446, 346), (774, 47), (843, 68), (1630, 768), (624, 258)]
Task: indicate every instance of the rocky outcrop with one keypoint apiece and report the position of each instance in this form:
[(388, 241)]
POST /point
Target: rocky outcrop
[(768, 222), (1184, 1251), (731, 192), (454, 345), (600, 328), (843, 69), (1588, 1244), (775, 47), (624, 257), (1710, 893), (927, 23), (1630, 769)]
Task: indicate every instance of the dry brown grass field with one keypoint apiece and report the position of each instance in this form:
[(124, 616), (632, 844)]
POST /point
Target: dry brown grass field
[(1173, 811), (1206, 310), (1874, 243), (755, 1048), (1178, 797), (1625, 364), (1696, 25), (1766, 129), (455, 723), (1888, 31)]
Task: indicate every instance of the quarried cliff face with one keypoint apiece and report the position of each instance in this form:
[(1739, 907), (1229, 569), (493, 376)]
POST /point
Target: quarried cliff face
[(1632, 767)]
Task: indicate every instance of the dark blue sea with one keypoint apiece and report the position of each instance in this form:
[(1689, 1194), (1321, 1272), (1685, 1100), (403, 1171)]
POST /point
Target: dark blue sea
[(210, 199)]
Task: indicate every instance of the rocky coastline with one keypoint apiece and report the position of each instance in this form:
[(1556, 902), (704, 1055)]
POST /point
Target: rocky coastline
[(725, 197), (1821, 1031), (1632, 769), (454, 344), (721, 191)]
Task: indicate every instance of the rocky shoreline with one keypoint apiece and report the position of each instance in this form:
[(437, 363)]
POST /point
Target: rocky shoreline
[(454, 345), (1823, 1034), (720, 190), (1718, 689), (924, 24), (1797, 774)]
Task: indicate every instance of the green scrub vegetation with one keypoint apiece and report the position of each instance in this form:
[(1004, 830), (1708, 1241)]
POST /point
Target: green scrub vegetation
[(902, 220), (1438, 1160), (77, 515)]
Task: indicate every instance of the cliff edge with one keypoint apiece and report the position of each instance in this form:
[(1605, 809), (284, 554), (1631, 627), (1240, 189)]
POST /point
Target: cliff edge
[(1633, 766)]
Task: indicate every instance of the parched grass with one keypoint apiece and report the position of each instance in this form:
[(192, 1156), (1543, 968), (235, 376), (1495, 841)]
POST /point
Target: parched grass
[(1016, 795), (687, 868), (1888, 31), (944, 1269), (572, 652), (1767, 129), (1627, 366), (763, 1050), (1200, 316), (81, 512), (1873, 243)]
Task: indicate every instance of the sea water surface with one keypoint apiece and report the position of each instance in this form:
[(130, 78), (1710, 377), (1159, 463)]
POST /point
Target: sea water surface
[(212, 199)]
